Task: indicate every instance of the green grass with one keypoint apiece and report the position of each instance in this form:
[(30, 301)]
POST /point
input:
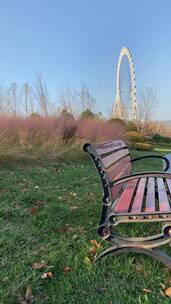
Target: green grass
[(59, 233)]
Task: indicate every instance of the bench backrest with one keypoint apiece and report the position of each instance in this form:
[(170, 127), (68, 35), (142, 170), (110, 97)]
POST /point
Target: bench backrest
[(112, 160)]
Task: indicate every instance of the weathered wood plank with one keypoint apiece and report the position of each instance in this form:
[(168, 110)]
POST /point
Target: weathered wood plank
[(138, 200), (123, 203), (109, 160), (108, 144), (121, 168), (112, 148), (150, 198), (163, 199), (169, 184)]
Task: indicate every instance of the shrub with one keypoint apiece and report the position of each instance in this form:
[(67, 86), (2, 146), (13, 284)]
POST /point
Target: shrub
[(87, 114), (131, 127), (95, 129), (161, 139), (134, 136), (49, 134), (141, 146)]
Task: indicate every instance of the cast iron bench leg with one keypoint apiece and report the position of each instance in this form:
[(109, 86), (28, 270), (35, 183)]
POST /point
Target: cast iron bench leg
[(155, 253)]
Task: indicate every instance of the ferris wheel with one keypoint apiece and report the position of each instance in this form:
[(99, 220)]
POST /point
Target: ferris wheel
[(125, 106)]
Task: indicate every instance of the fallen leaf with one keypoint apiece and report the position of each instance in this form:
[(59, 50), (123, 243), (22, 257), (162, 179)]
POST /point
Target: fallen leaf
[(92, 250), (34, 210), (74, 194), (168, 292), (39, 203), (67, 269), (66, 228), (73, 207), (24, 190), (28, 294), (36, 187), (95, 243), (46, 275), (147, 290), (87, 261), (39, 265), (162, 286)]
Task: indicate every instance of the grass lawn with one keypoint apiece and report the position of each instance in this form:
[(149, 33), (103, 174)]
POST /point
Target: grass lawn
[(49, 211)]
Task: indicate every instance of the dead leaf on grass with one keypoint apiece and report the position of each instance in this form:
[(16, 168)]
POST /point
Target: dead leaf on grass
[(95, 243), (73, 208), (92, 250), (67, 269), (34, 210), (36, 187), (162, 286), (74, 194), (47, 275), (39, 265), (66, 228), (168, 292), (24, 190), (29, 294), (147, 290), (38, 205)]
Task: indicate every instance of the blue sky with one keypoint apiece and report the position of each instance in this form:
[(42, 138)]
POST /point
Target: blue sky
[(75, 41)]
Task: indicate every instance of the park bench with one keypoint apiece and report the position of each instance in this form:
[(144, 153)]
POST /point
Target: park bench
[(132, 197)]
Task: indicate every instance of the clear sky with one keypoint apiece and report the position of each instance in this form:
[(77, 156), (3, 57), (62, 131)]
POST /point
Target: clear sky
[(75, 41)]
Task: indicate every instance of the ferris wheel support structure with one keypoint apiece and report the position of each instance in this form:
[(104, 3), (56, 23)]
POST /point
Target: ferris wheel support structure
[(117, 108)]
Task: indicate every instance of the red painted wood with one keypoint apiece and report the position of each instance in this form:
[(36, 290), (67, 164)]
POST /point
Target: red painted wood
[(108, 144), (123, 203), (138, 200), (109, 160), (163, 199), (121, 168), (116, 189), (112, 148), (150, 199)]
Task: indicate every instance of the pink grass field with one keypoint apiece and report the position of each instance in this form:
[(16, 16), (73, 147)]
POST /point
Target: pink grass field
[(50, 134)]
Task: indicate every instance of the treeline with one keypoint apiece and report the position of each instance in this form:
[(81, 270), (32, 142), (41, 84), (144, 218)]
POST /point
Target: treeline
[(27, 100)]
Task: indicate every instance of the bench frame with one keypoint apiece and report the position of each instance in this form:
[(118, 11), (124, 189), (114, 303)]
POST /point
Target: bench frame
[(146, 245)]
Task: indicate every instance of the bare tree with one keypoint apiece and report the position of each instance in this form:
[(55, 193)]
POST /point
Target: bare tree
[(85, 98), (41, 95), (68, 100), (76, 101), (27, 99), (146, 109), (3, 109), (12, 98)]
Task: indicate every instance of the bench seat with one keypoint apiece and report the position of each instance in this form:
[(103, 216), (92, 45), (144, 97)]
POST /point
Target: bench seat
[(132, 197), (144, 199)]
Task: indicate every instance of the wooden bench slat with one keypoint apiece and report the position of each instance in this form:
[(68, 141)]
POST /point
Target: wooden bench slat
[(112, 148), (138, 200), (121, 168), (169, 184), (163, 199), (109, 160), (109, 144), (123, 203), (150, 198), (126, 169)]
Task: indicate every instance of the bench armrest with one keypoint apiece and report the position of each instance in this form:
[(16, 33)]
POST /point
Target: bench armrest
[(127, 178), (167, 163)]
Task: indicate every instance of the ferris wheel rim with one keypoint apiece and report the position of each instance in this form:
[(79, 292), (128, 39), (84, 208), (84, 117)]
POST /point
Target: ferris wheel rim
[(133, 104)]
